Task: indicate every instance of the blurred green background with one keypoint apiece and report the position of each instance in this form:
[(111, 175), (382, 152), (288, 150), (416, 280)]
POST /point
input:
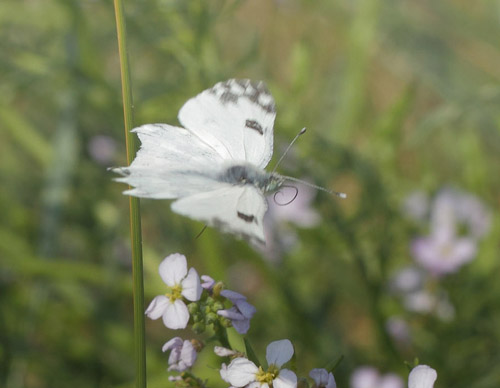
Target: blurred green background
[(398, 96)]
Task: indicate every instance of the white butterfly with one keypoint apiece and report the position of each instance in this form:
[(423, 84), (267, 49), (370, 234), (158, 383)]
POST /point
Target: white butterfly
[(215, 164)]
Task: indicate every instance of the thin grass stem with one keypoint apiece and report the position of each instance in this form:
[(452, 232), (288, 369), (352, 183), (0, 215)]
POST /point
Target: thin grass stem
[(135, 215)]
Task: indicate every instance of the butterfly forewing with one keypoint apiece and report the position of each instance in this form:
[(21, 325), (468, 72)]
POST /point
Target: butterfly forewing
[(172, 163), (234, 117)]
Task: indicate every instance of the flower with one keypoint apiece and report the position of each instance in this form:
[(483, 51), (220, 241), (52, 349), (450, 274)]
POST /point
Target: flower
[(369, 377), (442, 253), (242, 372), (322, 378), (463, 208), (208, 282), (182, 354), (457, 221), (422, 376), (181, 283), (241, 312)]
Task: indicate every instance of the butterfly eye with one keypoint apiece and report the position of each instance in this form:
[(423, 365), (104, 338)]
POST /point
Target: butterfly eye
[(282, 194)]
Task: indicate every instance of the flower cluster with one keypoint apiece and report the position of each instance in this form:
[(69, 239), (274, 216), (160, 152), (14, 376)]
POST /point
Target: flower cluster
[(190, 300)]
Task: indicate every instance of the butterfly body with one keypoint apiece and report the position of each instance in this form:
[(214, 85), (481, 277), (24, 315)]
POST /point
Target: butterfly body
[(248, 174), (214, 166)]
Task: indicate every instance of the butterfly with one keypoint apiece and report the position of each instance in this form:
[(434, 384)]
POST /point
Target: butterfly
[(214, 165)]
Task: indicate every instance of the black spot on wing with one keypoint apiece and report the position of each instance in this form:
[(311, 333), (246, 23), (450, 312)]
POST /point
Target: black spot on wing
[(232, 90), (225, 227), (254, 125), (246, 217)]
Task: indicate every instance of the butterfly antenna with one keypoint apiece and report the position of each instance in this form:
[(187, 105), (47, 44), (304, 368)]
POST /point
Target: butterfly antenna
[(302, 131), (338, 194)]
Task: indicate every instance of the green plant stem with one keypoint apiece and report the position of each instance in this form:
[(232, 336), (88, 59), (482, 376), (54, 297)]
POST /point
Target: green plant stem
[(135, 215)]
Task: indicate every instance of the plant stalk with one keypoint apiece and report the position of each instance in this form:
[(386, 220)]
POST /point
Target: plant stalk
[(135, 215)]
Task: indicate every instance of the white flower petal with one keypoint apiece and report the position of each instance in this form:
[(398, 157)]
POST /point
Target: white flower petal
[(240, 372), (188, 354), (174, 356), (157, 307), (223, 352), (422, 376), (285, 379), (279, 352), (173, 343), (191, 286), (176, 315), (173, 269)]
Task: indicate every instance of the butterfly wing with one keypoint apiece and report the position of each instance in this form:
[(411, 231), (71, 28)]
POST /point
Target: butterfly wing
[(234, 117), (232, 209), (172, 163)]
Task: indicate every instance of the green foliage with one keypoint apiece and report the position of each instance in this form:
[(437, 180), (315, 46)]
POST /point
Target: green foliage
[(397, 96)]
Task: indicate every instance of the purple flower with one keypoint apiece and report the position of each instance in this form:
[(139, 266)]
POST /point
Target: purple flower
[(240, 313), (208, 282), (445, 249), (182, 354), (322, 378), (182, 284)]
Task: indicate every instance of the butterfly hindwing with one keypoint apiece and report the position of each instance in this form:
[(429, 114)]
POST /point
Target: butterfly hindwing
[(234, 117), (235, 209)]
